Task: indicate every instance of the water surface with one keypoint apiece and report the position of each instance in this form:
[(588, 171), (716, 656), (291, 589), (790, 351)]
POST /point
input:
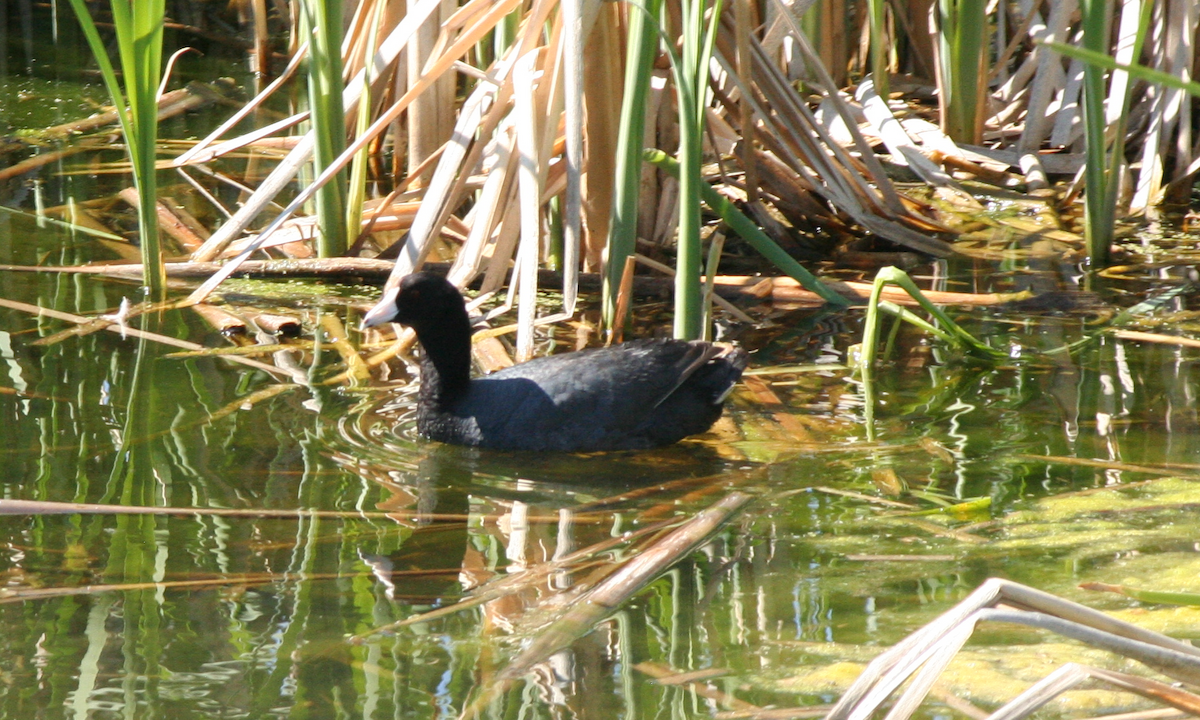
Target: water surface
[(206, 616)]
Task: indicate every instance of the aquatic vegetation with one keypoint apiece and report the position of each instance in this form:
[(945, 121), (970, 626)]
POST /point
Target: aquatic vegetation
[(139, 42), (231, 512)]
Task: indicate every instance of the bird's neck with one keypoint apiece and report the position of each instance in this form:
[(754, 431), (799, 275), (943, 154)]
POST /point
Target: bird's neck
[(446, 361)]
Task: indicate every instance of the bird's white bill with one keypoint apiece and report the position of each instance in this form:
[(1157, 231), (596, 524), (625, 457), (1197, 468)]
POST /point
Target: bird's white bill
[(383, 311)]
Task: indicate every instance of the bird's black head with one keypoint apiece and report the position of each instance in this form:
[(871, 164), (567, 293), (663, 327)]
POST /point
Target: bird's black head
[(421, 300)]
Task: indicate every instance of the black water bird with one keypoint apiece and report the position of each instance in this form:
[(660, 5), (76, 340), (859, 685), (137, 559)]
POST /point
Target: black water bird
[(640, 394)]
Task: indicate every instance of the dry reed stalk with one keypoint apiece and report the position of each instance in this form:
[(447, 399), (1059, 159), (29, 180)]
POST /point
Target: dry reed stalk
[(825, 165), (426, 128), (168, 221), (399, 216), (170, 104), (922, 656), (1159, 469), (904, 150), (112, 325), (669, 271), (445, 62), (283, 173), (244, 350), (755, 88), (45, 507), (743, 12), (1156, 338), (1073, 674), (603, 86), (572, 66), (657, 195), (43, 159), (1169, 137), (790, 99), (506, 235), (449, 184), (220, 319), (477, 22), (529, 184), (488, 209), (1048, 79), (529, 577), (196, 153), (608, 593), (624, 301)]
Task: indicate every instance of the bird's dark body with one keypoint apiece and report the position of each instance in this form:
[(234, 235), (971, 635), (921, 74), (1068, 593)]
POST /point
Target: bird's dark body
[(627, 397), (640, 394)]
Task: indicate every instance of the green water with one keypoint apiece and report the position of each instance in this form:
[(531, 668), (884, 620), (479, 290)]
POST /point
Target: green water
[(183, 616), (790, 588)]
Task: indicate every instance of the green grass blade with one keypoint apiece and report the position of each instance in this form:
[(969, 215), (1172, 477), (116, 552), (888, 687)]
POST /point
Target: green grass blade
[(1141, 72), (751, 233), (1098, 228), (960, 337), (139, 41), (962, 37), (879, 45), (323, 18), (642, 44), (692, 88)]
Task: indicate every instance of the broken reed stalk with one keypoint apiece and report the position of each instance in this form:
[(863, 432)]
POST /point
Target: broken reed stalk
[(462, 45), (357, 370), (1072, 675), (922, 655), (1138, 336), (527, 578), (168, 220), (614, 589), (46, 158), (176, 102), (710, 293), (616, 330), (112, 325)]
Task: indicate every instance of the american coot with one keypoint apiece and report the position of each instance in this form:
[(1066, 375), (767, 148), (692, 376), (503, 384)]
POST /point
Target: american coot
[(639, 394)]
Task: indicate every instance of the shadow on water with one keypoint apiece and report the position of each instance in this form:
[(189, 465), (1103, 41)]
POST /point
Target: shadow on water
[(438, 480)]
